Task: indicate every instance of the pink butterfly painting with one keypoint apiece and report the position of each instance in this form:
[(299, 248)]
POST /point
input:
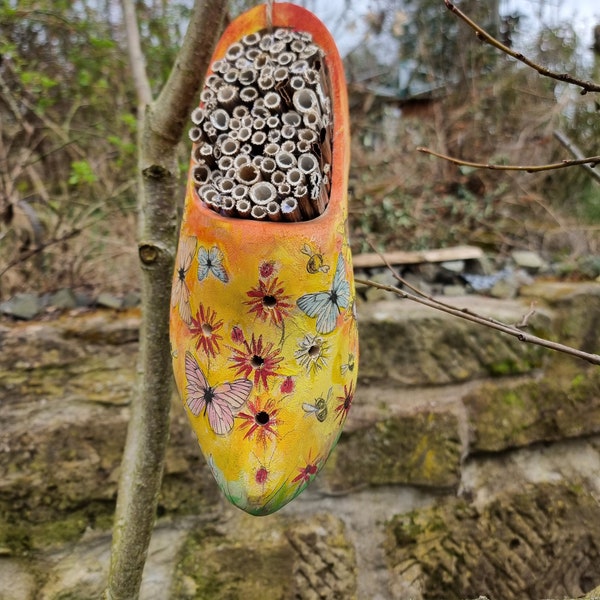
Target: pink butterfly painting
[(219, 403)]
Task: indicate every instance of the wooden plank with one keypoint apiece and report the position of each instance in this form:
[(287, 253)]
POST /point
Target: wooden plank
[(371, 260)]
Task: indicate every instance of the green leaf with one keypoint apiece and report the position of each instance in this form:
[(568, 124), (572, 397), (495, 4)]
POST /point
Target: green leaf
[(81, 172)]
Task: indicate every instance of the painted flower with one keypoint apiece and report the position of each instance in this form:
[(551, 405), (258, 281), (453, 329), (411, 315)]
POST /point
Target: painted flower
[(266, 268), (237, 335), (312, 353), (261, 475), (307, 472), (346, 402), (205, 326), (180, 292), (269, 302), (288, 385), (260, 420), (258, 358)]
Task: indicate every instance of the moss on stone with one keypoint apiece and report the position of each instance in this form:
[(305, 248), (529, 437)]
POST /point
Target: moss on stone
[(434, 349), (422, 449), (281, 559), (19, 536), (505, 415), (541, 542)]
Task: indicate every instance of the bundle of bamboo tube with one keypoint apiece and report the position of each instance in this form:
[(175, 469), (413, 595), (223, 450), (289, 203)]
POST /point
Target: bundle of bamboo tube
[(262, 132)]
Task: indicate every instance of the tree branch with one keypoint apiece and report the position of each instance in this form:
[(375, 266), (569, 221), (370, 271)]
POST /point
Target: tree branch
[(160, 129), (590, 161), (514, 330), (136, 56), (466, 314), (40, 248), (576, 152), (173, 106), (586, 86)]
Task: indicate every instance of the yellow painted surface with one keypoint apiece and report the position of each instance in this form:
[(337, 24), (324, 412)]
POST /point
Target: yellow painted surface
[(263, 329)]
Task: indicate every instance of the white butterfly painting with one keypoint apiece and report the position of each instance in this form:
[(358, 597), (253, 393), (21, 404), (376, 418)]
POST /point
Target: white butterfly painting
[(221, 403), (211, 261), (180, 292), (327, 305)]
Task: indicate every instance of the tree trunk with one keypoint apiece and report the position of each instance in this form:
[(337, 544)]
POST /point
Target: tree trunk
[(161, 126)]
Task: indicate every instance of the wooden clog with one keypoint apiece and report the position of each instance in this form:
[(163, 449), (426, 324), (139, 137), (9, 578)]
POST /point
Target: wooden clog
[(263, 328)]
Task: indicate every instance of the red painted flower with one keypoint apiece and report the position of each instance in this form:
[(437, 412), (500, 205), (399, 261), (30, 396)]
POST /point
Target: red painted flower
[(307, 472), (346, 402), (237, 335), (287, 387), (266, 268), (205, 326), (269, 302), (261, 476), (262, 359), (260, 420)]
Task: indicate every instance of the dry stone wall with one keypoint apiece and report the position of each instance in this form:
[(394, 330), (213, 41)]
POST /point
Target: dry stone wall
[(470, 465)]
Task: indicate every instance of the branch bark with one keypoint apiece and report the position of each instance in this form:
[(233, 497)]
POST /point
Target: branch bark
[(590, 161), (586, 86), (468, 315), (577, 153), (161, 127), (136, 56)]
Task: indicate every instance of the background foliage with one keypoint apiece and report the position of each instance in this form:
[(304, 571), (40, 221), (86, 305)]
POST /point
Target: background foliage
[(417, 77)]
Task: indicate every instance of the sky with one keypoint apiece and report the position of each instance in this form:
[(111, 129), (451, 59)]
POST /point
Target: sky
[(583, 13)]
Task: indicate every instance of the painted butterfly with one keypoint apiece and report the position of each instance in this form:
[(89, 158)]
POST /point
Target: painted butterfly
[(219, 403), (180, 292), (326, 306), (211, 261)]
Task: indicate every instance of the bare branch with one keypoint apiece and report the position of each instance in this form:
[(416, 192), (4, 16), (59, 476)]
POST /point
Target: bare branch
[(170, 112), (486, 321), (136, 57), (40, 248), (591, 161), (576, 152), (516, 330), (586, 86)]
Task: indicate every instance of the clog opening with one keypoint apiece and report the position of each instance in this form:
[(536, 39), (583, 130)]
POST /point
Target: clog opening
[(263, 132)]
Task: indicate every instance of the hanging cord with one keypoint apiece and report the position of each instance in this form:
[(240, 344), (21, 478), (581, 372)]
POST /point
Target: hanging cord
[(269, 7)]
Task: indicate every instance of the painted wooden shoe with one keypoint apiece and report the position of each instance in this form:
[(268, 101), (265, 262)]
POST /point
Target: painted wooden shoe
[(263, 329)]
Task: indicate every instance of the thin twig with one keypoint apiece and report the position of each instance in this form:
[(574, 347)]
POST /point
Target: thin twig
[(486, 321), (522, 324), (576, 152), (591, 161), (27, 255), (136, 56), (586, 86)]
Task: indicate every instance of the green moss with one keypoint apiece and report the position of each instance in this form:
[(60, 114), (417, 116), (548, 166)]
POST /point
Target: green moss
[(512, 399), (502, 548), (22, 536), (274, 558), (542, 409), (224, 570), (421, 449), (511, 366), (406, 530), (578, 380)]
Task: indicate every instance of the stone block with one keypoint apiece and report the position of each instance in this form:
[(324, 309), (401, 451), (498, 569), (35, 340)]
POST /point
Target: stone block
[(391, 442), (540, 542), (408, 344), (252, 559), (559, 405)]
